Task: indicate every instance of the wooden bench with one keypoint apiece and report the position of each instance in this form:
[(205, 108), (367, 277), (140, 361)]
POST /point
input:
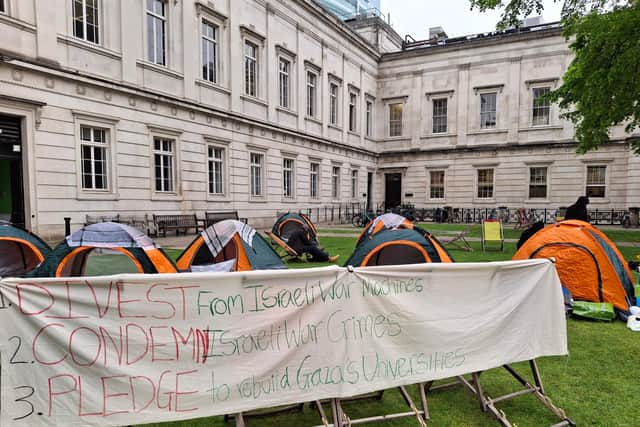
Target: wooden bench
[(178, 222), (211, 218), (94, 219)]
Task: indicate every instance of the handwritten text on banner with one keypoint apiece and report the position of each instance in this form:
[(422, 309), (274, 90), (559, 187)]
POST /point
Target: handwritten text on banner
[(147, 348)]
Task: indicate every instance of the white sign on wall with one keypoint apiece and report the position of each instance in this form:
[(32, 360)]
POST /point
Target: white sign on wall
[(135, 349)]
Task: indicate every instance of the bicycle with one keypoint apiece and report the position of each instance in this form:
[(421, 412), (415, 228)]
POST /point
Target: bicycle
[(361, 219)]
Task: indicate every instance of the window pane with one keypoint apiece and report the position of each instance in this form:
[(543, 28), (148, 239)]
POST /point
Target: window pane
[(395, 119), (488, 110), (439, 115)]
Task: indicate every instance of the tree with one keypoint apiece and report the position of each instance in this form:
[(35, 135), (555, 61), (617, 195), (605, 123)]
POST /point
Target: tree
[(601, 88)]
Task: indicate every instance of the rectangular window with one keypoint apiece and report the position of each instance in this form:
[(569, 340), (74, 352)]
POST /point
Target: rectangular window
[(312, 80), (485, 183), (335, 183), (596, 181), (216, 170), (156, 31), (354, 183), (436, 185), (538, 183), (541, 106), (283, 82), (353, 111), (3, 9), (163, 155), (256, 161), (93, 148), (333, 104), (488, 110), (395, 119), (85, 19), (209, 51), (250, 69), (288, 177), (440, 115), (369, 117), (314, 179)]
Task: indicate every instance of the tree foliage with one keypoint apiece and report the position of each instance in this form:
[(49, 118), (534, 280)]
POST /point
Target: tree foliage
[(601, 88)]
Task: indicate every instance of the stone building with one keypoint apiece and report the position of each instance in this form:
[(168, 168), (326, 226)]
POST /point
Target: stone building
[(182, 106)]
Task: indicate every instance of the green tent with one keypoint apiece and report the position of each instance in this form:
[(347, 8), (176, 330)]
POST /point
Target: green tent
[(22, 253), (399, 246), (290, 222), (229, 246)]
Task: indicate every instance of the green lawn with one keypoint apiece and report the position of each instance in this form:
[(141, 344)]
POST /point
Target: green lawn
[(595, 384)]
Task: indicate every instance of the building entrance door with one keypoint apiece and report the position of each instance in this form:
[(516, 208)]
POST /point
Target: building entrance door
[(11, 187), (392, 190)]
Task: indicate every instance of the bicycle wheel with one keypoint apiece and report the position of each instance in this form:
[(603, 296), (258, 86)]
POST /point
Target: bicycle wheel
[(356, 220)]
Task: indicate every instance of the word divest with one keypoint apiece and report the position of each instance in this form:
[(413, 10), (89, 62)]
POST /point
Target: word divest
[(133, 349)]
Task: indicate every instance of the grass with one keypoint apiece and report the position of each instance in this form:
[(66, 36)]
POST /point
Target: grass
[(595, 384)]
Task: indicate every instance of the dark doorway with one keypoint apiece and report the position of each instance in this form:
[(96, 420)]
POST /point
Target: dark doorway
[(392, 190), (11, 188), (369, 191)]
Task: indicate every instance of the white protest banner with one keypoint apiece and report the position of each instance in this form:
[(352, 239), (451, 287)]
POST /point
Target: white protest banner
[(134, 349)]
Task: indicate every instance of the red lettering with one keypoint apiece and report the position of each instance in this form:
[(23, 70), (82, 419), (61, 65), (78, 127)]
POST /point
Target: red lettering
[(154, 345), (85, 347), (133, 393), (68, 316), (36, 340), (170, 393), (60, 393), (121, 302), (146, 343), (80, 400), (106, 396), (184, 298), (101, 314), (119, 350), (180, 393), (173, 308), (178, 338), (19, 288)]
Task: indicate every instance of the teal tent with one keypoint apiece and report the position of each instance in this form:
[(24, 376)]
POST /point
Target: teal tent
[(398, 246), (229, 246), (22, 253)]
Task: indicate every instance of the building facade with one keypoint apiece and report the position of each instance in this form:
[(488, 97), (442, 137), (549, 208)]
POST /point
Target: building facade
[(184, 106)]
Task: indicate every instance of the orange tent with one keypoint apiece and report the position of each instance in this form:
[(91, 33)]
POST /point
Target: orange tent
[(589, 265)]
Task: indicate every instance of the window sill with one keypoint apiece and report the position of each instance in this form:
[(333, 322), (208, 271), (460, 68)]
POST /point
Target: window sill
[(214, 86), (162, 69), (334, 127), (165, 196), (218, 197), (439, 135), (84, 195), (313, 120), (541, 127), (16, 23), (287, 111), (93, 47), (487, 131), (256, 199), (398, 138), (288, 200), (536, 201), (254, 100), (353, 133)]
